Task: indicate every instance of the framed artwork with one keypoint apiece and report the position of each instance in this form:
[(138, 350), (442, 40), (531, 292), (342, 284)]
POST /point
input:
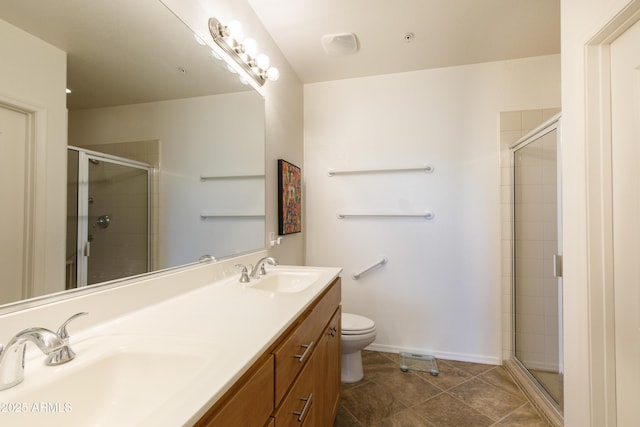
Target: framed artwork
[(289, 198)]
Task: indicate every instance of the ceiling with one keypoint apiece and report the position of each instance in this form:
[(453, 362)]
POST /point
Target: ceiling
[(122, 52), (446, 33)]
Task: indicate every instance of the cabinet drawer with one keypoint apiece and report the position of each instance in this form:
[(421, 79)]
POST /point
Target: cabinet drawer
[(298, 405), (323, 311), (293, 354)]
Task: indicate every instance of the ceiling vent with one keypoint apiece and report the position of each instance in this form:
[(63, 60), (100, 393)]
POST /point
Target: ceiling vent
[(340, 44)]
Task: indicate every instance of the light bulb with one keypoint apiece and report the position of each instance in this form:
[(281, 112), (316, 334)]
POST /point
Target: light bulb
[(250, 47), (235, 31), (231, 69), (263, 61), (273, 74)]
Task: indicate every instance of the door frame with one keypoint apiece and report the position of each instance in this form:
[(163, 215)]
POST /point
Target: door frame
[(601, 304), (35, 203)]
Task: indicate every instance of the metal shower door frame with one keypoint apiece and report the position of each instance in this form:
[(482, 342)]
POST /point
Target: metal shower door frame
[(553, 124), (83, 247)]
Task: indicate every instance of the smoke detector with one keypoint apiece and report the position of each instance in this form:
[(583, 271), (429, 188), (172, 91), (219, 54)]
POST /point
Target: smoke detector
[(340, 44)]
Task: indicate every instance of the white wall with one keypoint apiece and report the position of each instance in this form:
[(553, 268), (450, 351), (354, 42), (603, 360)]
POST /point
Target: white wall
[(440, 292), (194, 135), (33, 79)]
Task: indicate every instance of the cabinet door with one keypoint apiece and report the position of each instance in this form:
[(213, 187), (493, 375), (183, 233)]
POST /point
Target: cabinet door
[(251, 405), (333, 372), (327, 373)]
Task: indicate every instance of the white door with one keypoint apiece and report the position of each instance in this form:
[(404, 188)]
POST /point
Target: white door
[(13, 209), (625, 105)]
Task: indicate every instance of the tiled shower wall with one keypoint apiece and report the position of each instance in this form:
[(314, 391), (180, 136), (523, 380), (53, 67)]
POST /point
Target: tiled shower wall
[(513, 126), (146, 152)]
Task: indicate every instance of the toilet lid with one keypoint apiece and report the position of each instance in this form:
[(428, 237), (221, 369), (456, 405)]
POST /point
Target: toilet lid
[(355, 324)]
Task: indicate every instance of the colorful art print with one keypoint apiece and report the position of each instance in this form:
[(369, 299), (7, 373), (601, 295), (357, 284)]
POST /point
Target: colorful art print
[(289, 198)]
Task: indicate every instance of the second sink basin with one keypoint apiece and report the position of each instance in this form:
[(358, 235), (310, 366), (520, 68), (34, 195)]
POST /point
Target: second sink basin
[(286, 281)]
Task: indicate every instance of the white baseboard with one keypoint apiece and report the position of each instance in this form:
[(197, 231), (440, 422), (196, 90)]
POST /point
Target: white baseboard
[(461, 357)]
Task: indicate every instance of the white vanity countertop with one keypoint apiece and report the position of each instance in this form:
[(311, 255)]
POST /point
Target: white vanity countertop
[(226, 326)]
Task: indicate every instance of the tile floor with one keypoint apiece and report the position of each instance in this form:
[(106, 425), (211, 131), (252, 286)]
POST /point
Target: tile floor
[(463, 395)]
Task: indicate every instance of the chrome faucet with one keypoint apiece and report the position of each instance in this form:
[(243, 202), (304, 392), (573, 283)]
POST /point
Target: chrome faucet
[(258, 270), (54, 345)]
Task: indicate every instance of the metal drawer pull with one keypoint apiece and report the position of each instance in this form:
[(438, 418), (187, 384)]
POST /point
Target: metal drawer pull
[(332, 331), (306, 407), (307, 349)]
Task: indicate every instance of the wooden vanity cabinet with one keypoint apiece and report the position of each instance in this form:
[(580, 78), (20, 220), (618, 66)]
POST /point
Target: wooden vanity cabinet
[(297, 381), (299, 407), (249, 402), (328, 371)]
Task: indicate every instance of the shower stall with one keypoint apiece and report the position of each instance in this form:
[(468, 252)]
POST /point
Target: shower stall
[(537, 261), (108, 209)]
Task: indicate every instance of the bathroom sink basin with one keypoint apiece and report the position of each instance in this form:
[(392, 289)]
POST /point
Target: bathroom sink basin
[(286, 281), (113, 381)]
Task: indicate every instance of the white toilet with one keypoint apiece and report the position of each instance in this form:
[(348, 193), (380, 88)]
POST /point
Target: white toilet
[(357, 333)]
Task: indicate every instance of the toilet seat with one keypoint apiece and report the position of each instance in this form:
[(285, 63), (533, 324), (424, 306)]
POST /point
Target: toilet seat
[(353, 324)]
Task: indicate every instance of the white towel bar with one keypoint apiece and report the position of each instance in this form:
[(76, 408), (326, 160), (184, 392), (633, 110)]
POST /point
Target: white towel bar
[(214, 177), (425, 169), (230, 215), (378, 263), (425, 215)]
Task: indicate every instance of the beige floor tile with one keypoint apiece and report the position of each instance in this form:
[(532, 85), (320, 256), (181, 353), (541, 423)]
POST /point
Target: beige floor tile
[(447, 411), (463, 394), (371, 402), (525, 416), (487, 399), (408, 387), (449, 376), (499, 377), (406, 418)]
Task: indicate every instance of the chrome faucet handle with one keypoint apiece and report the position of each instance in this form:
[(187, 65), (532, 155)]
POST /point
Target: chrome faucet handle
[(64, 353), (244, 274), (263, 270), (62, 330)]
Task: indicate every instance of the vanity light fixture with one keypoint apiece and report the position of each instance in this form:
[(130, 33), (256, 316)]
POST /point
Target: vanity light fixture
[(243, 52)]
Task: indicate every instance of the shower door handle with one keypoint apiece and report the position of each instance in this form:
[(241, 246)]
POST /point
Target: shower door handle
[(557, 266), (87, 249)]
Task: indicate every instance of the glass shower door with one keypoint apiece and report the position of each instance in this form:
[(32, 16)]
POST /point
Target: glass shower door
[(112, 238), (537, 260)]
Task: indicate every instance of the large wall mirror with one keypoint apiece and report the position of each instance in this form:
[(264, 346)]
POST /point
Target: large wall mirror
[(153, 160)]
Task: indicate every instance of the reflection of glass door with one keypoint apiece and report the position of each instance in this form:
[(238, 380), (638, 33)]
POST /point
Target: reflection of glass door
[(112, 219), (537, 260)]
